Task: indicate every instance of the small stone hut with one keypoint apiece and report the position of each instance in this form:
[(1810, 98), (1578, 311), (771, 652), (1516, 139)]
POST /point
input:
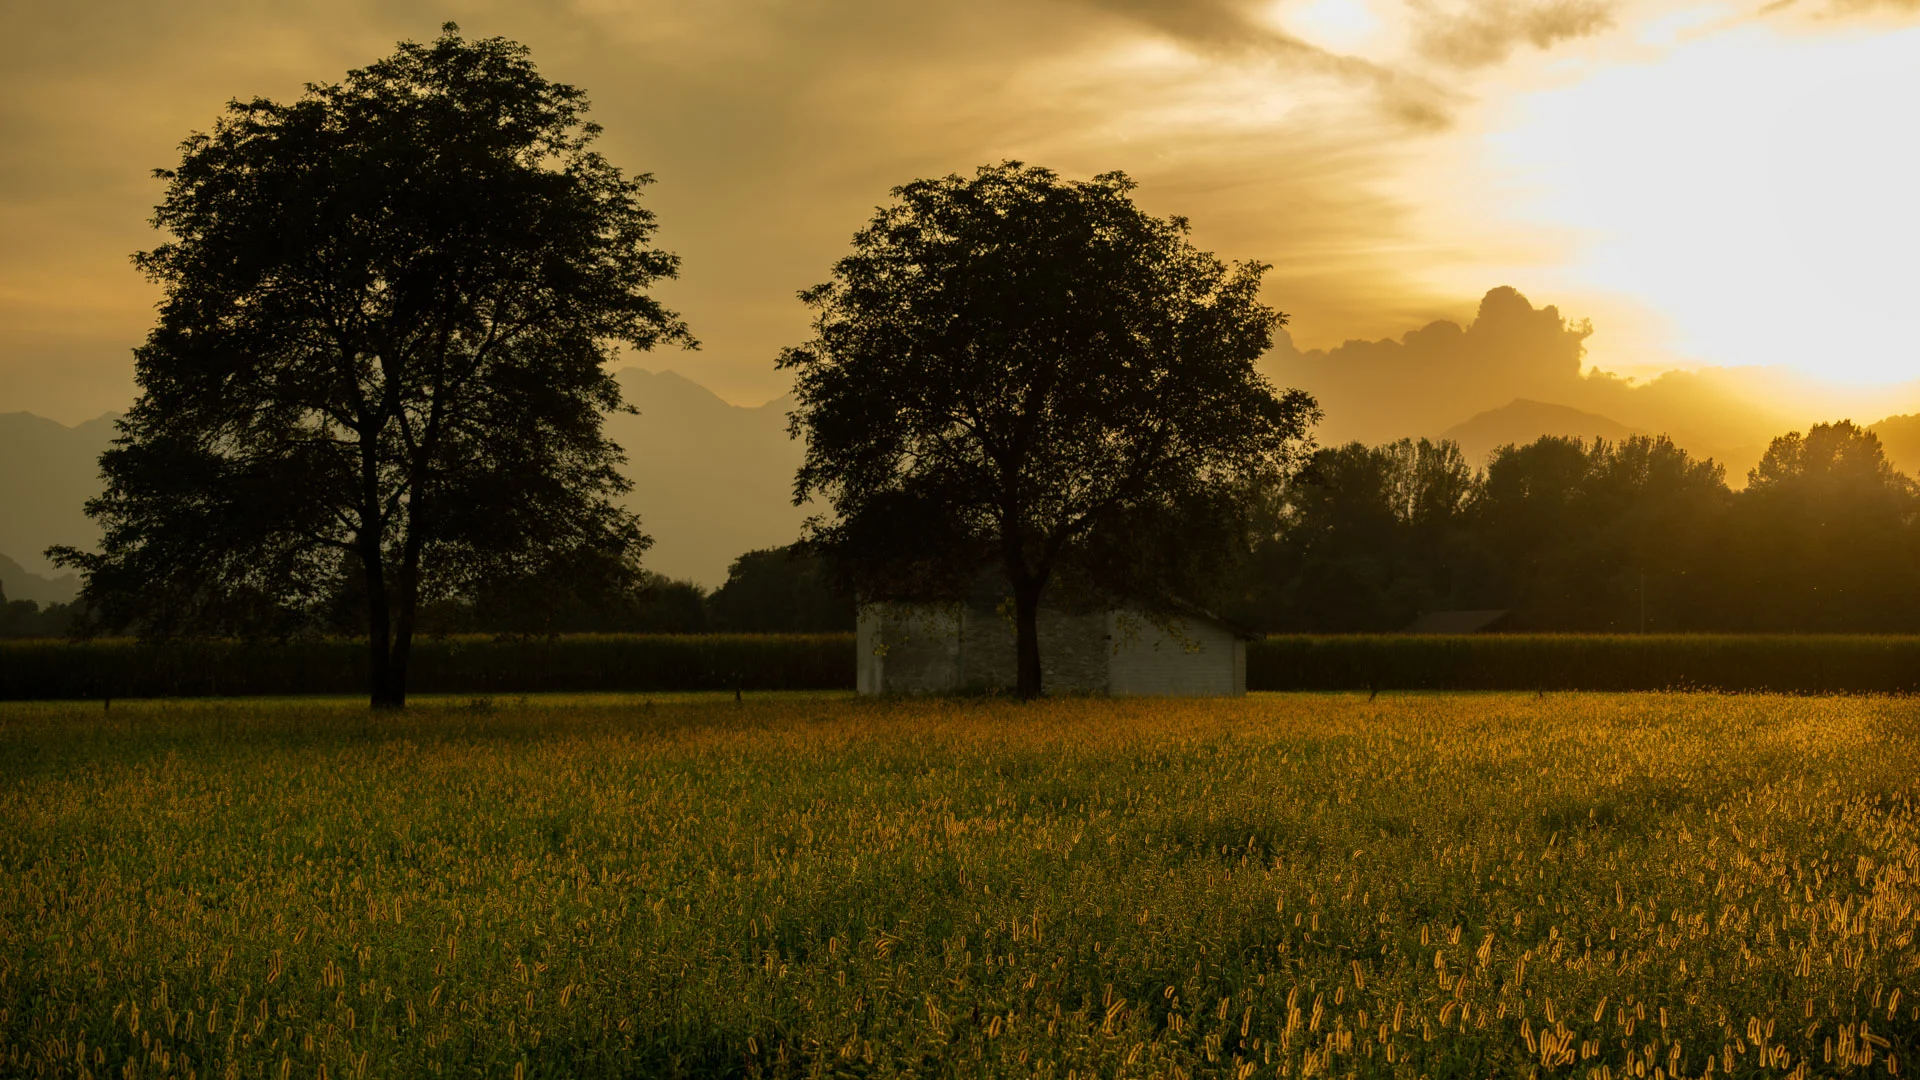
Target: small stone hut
[(968, 646)]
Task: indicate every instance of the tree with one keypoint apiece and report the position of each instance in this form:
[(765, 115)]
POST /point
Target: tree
[(1016, 371), (1360, 538), (547, 606), (1824, 535), (780, 590), (1603, 536), (1653, 522), (379, 357)]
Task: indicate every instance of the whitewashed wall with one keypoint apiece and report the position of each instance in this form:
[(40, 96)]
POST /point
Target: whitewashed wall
[(934, 648), (1201, 659), (908, 648)]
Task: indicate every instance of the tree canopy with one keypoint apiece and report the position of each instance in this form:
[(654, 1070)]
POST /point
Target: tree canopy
[(1015, 371), (377, 376), (780, 590), (1824, 537), (1577, 535)]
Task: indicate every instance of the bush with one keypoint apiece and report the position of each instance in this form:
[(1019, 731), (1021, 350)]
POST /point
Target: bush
[(457, 664), (1785, 663)]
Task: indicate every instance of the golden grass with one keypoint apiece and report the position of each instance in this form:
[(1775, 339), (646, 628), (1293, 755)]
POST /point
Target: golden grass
[(1470, 885)]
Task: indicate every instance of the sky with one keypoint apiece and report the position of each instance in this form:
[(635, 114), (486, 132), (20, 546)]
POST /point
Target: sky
[(1711, 184)]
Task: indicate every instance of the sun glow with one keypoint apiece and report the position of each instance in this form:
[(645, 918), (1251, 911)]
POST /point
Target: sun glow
[(1753, 188)]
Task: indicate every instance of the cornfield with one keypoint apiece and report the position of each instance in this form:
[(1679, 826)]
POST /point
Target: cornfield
[(1776, 663), (585, 663), (461, 664), (1469, 885)]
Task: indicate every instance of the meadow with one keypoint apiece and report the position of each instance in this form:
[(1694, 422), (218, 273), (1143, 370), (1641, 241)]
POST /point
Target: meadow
[(1417, 885)]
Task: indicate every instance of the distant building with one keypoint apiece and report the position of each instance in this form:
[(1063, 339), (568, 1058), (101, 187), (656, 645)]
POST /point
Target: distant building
[(1458, 622), (968, 646)]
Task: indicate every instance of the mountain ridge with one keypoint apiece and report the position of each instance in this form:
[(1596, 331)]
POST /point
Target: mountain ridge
[(1523, 420), (713, 480)]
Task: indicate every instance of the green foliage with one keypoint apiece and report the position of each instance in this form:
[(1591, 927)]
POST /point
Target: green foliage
[(1581, 531), (1015, 371), (1826, 536), (653, 604), (1434, 886), (1591, 537), (1361, 538), (780, 590), (26, 619), (378, 377)]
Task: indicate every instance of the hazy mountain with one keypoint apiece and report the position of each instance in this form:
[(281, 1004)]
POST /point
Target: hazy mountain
[(1424, 382), (1900, 438), (1522, 421), (1429, 379), (710, 480), (713, 480), (47, 470), (21, 584)]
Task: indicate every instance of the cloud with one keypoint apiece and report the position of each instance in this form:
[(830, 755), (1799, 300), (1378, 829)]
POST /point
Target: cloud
[(1489, 31), (1433, 378), (1841, 8), (773, 129), (1236, 28), (1524, 365)]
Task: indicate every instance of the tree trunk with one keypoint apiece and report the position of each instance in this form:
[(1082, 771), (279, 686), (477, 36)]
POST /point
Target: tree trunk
[(404, 624), (389, 692), (384, 691), (1026, 619), (396, 694)]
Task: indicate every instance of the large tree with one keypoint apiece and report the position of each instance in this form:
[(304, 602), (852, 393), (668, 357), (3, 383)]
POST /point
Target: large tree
[(378, 371), (1361, 539), (1824, 537), (1601, 536), (1016, 371)]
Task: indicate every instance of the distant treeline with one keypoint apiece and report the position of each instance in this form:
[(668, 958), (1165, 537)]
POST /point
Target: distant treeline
[(1575, 536), (1564, 534), (769, 591), (27, 619)]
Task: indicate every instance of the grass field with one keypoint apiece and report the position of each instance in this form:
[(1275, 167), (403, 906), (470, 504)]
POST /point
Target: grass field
[(1440, 886)]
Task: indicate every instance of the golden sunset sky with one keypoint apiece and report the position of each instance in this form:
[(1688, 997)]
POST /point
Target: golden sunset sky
[(1713, 184)]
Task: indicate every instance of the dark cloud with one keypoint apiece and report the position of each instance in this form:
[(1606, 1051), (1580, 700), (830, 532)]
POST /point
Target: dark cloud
[(1227, 23), (1488, 31), (1233, 27)]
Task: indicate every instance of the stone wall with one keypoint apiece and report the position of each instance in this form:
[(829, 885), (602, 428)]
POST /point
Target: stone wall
[(934, 648), (909, 648), (1073, 651), (1198, 658)]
